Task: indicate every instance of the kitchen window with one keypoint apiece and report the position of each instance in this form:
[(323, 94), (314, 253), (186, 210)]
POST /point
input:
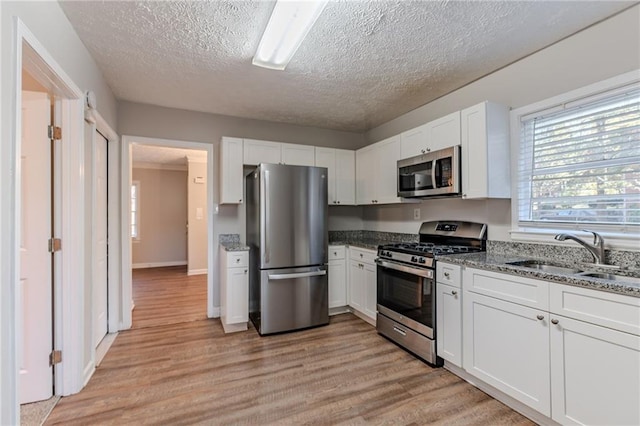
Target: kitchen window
[(578, 162), (135, 210)]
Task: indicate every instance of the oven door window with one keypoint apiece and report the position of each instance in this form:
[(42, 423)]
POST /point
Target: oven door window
[(406, 294)]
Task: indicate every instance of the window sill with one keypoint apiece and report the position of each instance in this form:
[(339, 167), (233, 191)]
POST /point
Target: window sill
[(612, 240)]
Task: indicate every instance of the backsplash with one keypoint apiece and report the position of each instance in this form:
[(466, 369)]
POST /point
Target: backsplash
[(342, 236), (628, 259), (229, 238)]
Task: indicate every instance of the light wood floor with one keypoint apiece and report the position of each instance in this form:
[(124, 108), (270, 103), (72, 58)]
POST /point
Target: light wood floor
[(168, 296), (343, 373)]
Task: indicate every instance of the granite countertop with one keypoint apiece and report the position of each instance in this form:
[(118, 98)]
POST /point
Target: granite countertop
[(234, 246), (498, 263), (370, 244)]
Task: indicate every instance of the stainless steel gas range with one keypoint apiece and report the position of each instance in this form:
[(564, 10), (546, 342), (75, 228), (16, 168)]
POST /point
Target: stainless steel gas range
[(406, 283)]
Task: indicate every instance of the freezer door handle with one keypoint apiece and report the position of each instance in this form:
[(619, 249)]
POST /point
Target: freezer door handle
[(297, 275)]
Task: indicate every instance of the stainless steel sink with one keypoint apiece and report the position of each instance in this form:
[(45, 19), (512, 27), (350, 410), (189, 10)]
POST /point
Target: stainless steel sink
[(545, 267), (611, 277)]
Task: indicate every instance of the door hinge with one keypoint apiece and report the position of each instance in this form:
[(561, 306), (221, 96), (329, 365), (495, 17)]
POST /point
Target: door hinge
[(55, 133), (55, 357), (55, 244)]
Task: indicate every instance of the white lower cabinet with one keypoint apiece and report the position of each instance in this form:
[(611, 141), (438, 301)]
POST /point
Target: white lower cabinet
[(574, 358), (507, 346), (449, 312), (337, 277), (234, 290), (362, 282), (595, 374)]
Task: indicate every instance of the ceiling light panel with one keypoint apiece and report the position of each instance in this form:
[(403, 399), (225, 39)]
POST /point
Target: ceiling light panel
[(289, 24)]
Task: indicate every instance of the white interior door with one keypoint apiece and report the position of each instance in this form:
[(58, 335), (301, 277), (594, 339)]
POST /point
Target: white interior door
[(35, 337), (100, 296)]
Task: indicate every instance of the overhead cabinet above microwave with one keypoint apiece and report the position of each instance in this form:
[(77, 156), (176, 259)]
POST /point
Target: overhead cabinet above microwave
[(432, 136)]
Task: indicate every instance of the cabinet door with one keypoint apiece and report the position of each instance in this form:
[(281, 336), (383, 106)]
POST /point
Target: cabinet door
[(298, 155), (485, 151), (256, 152), (337, 283), (356, 281), (365, 175), (237, 296), (449, 323), (345, 177), (414, 142), (444, 132), (370, 290), (507, 346), (387, 154), (326, 157), (595, 374), (231, 181)]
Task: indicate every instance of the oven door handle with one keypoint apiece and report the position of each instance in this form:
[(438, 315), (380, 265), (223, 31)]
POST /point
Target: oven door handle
[(427, 273)]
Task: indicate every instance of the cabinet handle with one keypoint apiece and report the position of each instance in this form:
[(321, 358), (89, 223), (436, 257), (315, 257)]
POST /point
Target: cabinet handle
[(240, 200), (338, 202), (360, 254), (422, 151), (335, 253), (540, 317), (446, 274), (238, 260), (464, 195), (554, 321), (245, 271), (453, 292), (428, 149), (400, 331)]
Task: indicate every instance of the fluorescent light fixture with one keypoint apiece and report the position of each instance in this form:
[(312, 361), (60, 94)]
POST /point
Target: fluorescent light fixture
[(289, 24)]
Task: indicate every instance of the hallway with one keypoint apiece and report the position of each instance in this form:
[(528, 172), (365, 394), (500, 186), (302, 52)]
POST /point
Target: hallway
[(168, 295)]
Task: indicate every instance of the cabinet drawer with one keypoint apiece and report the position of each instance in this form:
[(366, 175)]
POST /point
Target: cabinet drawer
[(520, 290), (362, 255), (336, 252), (447, 273), (237, 259), (615, 311)]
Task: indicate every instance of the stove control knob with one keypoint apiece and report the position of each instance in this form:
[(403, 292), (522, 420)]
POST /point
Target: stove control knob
[(389, 255), (422, 260), (414, 259)]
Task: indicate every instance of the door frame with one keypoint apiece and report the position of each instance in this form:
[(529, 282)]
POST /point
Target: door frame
[(126, 179), (98, 123), (30, 54)]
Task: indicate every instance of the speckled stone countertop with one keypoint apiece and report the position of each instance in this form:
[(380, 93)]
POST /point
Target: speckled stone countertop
[(498, 262), (368, 239), (231, 242)]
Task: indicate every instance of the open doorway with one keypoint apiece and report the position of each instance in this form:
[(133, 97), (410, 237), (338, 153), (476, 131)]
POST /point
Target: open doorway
[(169, 214)]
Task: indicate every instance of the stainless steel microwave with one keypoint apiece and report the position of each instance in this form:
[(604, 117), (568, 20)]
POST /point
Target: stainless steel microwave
[(434, 174)]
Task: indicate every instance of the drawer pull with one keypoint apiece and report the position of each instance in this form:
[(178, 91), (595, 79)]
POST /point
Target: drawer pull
[(554, 321), (447, 275), (335, 253), (399, 331), (453, 292), (540, 317)]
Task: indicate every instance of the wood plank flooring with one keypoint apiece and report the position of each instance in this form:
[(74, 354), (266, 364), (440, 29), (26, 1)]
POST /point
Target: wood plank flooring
[(343, 373), (168, 296)]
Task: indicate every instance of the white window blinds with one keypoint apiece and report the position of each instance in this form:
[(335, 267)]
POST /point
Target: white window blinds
[(580, 162)]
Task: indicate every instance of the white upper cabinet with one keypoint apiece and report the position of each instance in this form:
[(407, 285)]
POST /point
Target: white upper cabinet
[(231, 180), (256, 152), (376, 172), (485, 151), (341, 167), (297, 155), (438, 134)]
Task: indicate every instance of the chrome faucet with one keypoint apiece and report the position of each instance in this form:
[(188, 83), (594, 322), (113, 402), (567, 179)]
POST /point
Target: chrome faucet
[(596, 250)]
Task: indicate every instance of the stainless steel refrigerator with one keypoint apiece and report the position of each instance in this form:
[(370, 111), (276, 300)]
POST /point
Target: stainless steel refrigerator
[(286, 213)]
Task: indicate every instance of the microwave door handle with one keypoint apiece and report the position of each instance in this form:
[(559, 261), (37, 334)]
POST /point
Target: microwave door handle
[(434, 164)]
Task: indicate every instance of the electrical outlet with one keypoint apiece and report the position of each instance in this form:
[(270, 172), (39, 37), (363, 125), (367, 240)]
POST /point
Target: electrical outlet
[(416, 214)]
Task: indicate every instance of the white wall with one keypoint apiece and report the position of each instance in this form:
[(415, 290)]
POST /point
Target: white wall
[(52, 29), (604, 50), (163, 218)]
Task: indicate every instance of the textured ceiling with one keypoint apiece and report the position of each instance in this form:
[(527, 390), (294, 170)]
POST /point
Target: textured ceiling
[(362, 64), (163, 155)]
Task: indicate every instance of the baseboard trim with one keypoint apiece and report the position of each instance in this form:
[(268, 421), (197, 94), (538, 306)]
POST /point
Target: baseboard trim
[(158, 264), (197, 271), (216, 312), (507, 400)]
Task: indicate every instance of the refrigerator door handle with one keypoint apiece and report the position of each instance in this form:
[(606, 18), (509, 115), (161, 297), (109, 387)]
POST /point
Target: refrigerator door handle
[(296, 275), (267, 206)]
